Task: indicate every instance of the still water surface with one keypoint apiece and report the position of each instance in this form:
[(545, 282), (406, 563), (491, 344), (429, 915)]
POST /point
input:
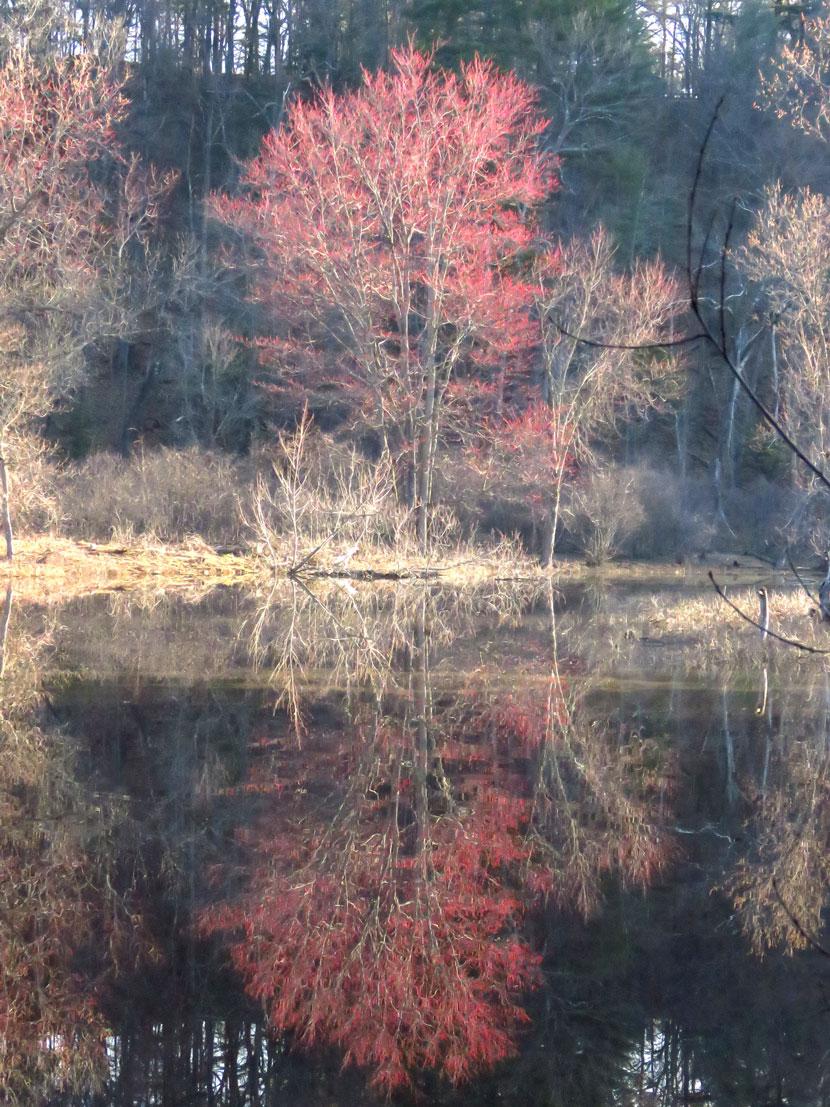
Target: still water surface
[(495, 847)]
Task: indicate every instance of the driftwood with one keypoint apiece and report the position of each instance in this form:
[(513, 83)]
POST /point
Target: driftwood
[(99, 548), (232, 551), (366, 574)]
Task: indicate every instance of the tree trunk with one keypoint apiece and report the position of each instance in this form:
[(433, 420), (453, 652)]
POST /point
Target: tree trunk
[(7, 517), (426, 461), (422, 494), (4, 627)]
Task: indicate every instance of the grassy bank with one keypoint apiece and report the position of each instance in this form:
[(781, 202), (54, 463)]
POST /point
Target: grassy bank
[(52, 568)]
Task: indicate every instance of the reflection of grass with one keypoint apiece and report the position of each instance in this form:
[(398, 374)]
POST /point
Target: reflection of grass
[(686, 625)]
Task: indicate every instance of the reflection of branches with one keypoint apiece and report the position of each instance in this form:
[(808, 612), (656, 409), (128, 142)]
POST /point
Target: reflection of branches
[(50, 1029), (588, 812), (384, 908), (781, 888), (354, 638), (379, 918)]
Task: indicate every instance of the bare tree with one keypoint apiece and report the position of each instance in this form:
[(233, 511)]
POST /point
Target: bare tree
[(797, 82), (591, 387), (787, 254)]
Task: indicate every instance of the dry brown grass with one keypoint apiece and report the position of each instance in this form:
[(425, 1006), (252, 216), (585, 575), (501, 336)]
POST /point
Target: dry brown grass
[(50, 569), (709, 616), (55, 569), (163, 495), (706, 628)]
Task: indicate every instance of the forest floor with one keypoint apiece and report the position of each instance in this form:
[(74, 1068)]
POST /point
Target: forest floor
[(49, 568)]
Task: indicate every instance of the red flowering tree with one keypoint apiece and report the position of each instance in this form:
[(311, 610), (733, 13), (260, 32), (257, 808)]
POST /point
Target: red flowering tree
[(393, 225)]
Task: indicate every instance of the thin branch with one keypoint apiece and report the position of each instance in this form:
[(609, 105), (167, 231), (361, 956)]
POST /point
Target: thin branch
[(597, 344), (730, 226), (294, 571), (798, 577), (694, 281), (805, 934), (771, 633)]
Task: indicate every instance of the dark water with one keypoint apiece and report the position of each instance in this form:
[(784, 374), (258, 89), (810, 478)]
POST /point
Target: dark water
[(470, 849)]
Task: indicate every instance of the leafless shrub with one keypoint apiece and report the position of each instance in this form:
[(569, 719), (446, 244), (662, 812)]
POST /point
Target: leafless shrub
[(787, 256), (592, 390), (604, 514), (37, 505), (322, 496), (169, 494)]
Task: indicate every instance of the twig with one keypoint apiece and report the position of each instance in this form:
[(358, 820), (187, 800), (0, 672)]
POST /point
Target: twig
[(694, 280), (797, 576), (805, 934), (657, 345), (708, 829), (752, 622)]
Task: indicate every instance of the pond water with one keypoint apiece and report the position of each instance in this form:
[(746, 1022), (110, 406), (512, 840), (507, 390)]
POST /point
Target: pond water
[(331, 846)]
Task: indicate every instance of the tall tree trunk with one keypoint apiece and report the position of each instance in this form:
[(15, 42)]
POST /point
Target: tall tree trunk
[(230, 40), (422, 491), (426, 461), (7, 516), (4, 627)]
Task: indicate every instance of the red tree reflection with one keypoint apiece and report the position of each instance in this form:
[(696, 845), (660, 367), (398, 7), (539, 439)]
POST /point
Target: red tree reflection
[(385, 919), (386, 907)]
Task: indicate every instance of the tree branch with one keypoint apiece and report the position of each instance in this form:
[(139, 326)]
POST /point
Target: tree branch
[(770, 633)]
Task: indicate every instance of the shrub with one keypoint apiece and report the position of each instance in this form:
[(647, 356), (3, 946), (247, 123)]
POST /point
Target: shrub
[(605, 512), (169, 494), (321, 493)]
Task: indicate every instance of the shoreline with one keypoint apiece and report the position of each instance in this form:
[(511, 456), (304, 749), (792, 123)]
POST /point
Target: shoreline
[(48, 568)]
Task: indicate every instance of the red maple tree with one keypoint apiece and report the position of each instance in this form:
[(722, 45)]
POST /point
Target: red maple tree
[(396, 232)]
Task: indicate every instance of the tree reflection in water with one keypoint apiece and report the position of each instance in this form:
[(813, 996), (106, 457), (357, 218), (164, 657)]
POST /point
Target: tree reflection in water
[(51, 1027), (439, 866), (387, 908), (781, 887)]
